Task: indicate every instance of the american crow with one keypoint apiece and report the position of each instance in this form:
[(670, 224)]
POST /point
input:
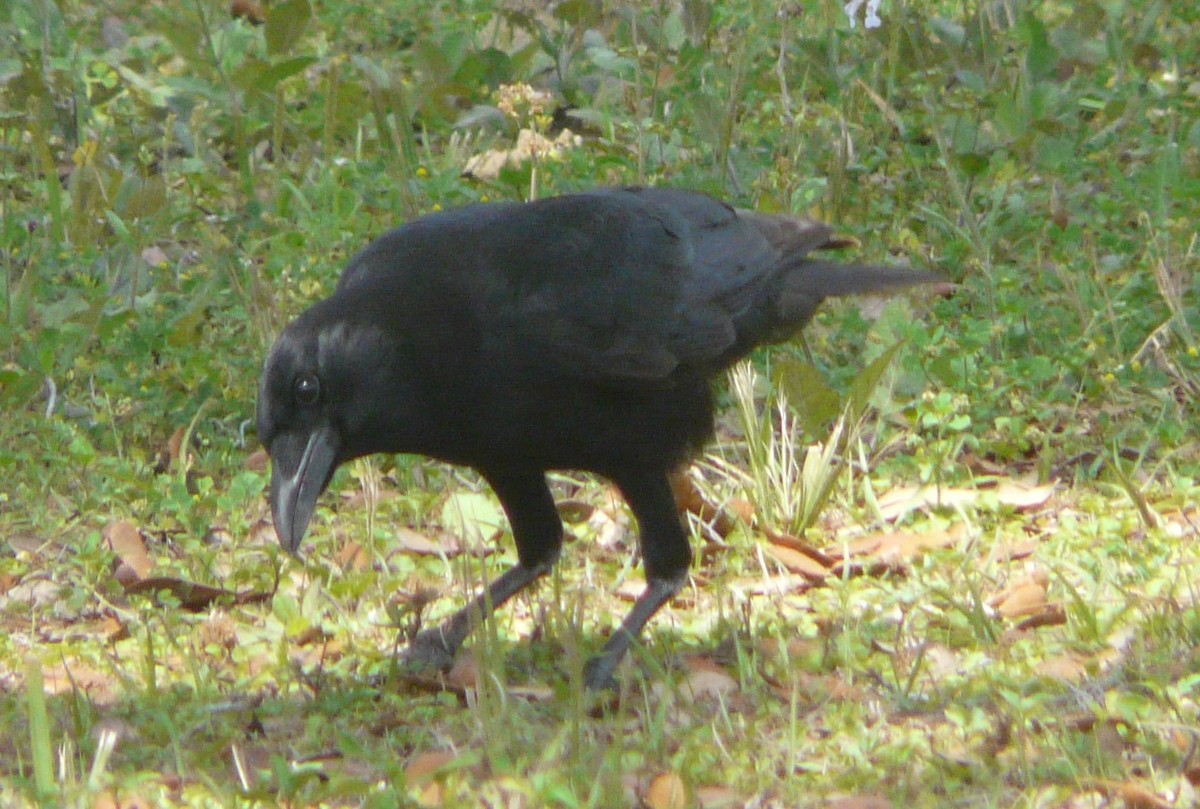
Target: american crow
[(576, 332)]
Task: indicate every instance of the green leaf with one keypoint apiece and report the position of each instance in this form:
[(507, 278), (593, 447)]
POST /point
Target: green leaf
[(472, 516), (260, 76), (580, 13), (811, 398), (285, 23), (867, 381), (1041, 58)]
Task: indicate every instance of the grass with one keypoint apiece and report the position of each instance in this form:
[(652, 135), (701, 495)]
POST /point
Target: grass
[(178, 182)]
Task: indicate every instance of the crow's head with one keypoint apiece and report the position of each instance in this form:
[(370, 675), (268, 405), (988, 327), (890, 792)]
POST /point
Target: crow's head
[(323, 394)]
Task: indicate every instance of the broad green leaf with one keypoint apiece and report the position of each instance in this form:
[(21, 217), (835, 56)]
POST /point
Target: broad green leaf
[(811, 398), (868, 380), (285, 23), (472, 516)]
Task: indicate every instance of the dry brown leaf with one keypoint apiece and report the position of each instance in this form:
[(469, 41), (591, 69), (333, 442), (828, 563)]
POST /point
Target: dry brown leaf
[(425, 765), (707, 678), (900, 501), (257, 461), (464, 674), (532, 692), (262, 532), (249, 10), (124, 539), (770, 585), (414, 542), (898, 546), (689, 499), (860, 802), (191, 596), (666, 791), (421, 773), (1048, 615), (353, 556), (175, 446), (1138, 797), (29, 543), (826, 559), (1024, 497), (1012, 553), (105, 800), (718, 797), (818, 688), (1068, 668), (797, 562), (1026, 598), (796, 647), (1013, 493), (743, 508)]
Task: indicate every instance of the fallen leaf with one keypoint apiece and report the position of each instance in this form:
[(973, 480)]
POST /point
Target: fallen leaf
[(666, 791), (707, 678), (426, 765), (532, 692), (421, 772), (155, 256), (464, 674), (191, 596), (1048, 615), (105, 800), (353, 556), (770, 585), (1012, 553), (124, 539), (860, 802), (1012, 493), (1026, 598), (414, 542), (825, 559), (900, 501), (31, 544), (1068, 668), (1024, 497), (902, 546), (175, 447), (718, 797), (1136, 796), (257, 461), (473, 517), (798, 562), (743, 508), (248, 10)]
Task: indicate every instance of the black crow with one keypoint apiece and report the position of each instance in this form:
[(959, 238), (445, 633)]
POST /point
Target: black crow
[(576, 332)]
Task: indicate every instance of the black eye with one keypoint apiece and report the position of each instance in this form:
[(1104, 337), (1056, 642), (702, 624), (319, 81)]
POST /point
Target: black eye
[(307, 389)]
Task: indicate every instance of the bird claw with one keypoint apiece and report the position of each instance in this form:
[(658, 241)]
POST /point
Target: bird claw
[(429, 651), (598, 674)]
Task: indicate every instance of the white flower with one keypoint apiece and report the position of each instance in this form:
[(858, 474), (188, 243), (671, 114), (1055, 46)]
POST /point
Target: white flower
[(872, 16)]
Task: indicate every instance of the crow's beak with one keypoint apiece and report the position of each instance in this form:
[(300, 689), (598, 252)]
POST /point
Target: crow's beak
[(301, 468)]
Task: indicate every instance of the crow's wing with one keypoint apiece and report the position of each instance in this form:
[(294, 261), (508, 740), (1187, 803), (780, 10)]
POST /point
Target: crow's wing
[(630, 284), (613, 285)]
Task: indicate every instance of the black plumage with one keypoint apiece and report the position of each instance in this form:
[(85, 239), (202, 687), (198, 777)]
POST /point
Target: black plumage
[(577, 332)]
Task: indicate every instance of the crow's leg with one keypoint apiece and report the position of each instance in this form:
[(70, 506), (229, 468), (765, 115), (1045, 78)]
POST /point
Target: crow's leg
[(537, 530), (666, 555)]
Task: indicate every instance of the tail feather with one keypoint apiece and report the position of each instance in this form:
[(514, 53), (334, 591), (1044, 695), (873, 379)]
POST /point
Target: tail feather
[(810, 282)]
